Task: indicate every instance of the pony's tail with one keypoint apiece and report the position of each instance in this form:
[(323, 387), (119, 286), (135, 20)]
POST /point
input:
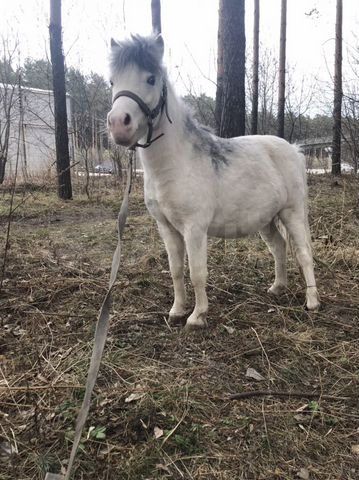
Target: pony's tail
[(302, 160), (279, 224), (282, 230)]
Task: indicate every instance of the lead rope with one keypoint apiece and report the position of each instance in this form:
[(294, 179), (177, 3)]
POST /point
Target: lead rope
[(100, 333)]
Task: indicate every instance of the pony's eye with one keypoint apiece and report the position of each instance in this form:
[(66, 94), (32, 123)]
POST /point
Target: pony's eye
[(151, 80), (111, 83)]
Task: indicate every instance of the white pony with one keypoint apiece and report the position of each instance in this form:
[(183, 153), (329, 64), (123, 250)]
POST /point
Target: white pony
[(199, 185)]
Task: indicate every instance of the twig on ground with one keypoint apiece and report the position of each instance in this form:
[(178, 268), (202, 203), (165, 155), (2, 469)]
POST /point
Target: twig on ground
[(185, 412), (264, 352), (37, 387), (266, 429), (273, 393)]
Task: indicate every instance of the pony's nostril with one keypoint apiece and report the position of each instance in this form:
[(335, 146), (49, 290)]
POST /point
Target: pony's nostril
[(127, 119)]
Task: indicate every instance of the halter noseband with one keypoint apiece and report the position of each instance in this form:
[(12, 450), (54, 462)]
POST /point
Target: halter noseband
[(149, 114)]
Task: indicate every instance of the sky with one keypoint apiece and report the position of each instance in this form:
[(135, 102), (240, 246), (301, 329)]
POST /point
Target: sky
[(189, 30)]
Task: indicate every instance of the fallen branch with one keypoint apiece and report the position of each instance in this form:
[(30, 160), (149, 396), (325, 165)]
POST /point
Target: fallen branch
[(273, 393), (37, 387)]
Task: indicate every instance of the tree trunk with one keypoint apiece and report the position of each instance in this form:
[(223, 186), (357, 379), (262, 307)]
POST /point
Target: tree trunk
[(255, 80), (22, 129), (230, 97), (220, 68), (6, 105), (338, 93), (156, 16), (2, 167), (281, 88), (58, 73)]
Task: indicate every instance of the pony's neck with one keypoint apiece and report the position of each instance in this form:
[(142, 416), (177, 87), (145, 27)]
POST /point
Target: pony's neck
[(173, 133), (175, 109)]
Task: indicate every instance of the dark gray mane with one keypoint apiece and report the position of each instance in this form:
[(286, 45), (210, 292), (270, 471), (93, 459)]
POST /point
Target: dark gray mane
[(203, 139), (141, 51)]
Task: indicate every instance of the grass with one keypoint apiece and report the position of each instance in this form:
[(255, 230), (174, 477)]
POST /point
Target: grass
[(56, 275)]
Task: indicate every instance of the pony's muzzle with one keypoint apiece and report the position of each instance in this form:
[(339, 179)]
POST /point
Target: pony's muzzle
[(119, 122), (122, 120), (121, 128)]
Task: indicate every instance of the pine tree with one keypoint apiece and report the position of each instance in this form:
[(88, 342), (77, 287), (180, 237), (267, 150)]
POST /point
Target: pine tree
[(282, 53), (156, 16), (255, 78), (58, 74), (338, 93), (230, 97)]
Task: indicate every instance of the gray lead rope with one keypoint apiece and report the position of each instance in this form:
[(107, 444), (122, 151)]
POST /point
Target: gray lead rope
[(100, 334)]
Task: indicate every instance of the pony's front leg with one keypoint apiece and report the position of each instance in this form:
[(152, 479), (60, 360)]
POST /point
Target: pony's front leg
[(196, 244), (175, 250)]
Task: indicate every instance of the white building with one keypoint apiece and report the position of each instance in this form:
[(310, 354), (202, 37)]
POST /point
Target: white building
[(32, 130)]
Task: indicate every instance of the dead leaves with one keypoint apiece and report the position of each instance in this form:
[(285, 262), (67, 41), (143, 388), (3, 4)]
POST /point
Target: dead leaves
[(7, 449), (134, 396), (229, 329), (158, 432), (139, 392), (252, 373), (303, 474)]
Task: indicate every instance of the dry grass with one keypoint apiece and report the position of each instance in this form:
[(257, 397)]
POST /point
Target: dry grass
[(56, 275)]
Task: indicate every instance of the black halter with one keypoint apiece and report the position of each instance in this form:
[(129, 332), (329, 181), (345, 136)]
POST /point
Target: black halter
[(150, 114)]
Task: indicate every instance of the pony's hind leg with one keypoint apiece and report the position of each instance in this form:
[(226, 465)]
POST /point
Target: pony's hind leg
[(278, 248), (297, 225), (174, 244)]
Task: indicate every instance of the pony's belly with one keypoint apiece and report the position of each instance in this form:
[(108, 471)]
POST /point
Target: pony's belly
[(244, 216), (227, 231), (242, 226)]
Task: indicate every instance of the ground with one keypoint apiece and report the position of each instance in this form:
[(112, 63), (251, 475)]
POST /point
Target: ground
[(161, 407)]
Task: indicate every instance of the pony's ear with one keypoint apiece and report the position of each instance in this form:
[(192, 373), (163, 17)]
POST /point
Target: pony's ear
[(113, 43), (160, 46)]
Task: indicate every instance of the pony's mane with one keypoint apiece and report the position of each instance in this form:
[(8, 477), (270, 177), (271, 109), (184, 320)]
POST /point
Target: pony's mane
[(141, 51)]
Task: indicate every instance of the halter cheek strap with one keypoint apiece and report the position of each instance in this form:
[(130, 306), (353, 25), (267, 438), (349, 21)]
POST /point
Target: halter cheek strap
[(150, 114)]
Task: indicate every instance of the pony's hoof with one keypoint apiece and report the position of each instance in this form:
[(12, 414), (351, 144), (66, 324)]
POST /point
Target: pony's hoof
[(276, 289), (177, 319), (191, 327), (313, 302), (313, 305), (196, 323)]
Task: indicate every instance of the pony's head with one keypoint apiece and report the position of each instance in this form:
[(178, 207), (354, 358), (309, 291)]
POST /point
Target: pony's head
[(138, 81)]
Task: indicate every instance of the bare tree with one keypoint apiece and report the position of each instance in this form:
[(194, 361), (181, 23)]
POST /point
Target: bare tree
[(267, 89), (338, 92), (299, 99), (9, 81), (156, 16), (350, 117), (58, 74), (350, 130), (255, 77), (230, 97), (281, 87)]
